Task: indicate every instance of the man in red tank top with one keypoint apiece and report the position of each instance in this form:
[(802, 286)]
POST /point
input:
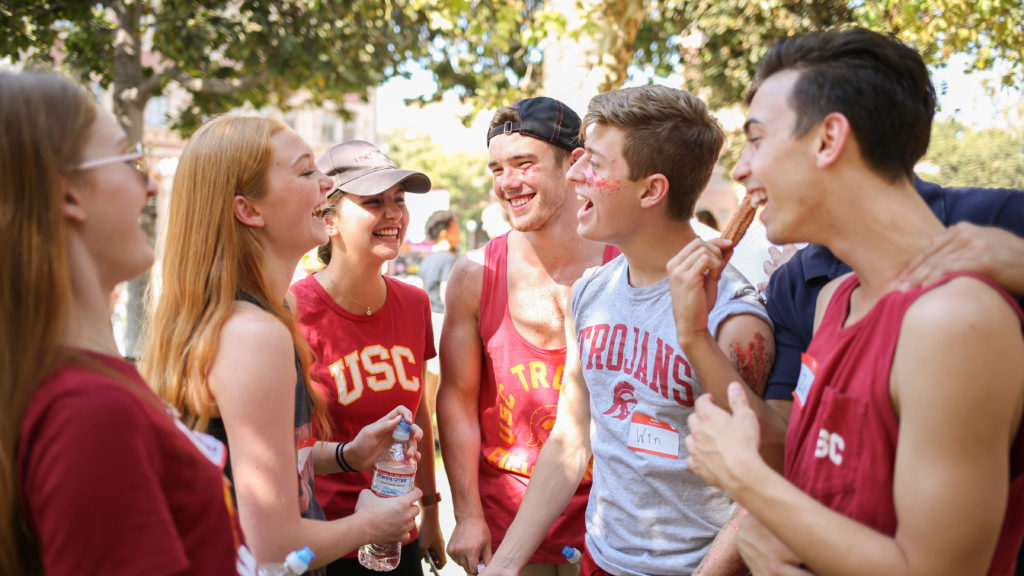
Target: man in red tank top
[(904, 450), (503, 342)]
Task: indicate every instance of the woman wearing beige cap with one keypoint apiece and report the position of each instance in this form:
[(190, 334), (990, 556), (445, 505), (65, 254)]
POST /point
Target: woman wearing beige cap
[(225, 352), (371, 334)]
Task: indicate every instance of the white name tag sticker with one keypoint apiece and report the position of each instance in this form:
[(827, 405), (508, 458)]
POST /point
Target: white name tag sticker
[(808, 369), (652, 436), (208, 446)]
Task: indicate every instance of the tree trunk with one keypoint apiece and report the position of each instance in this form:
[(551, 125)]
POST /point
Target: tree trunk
[(620, 21), (129, 106), (579, 65)]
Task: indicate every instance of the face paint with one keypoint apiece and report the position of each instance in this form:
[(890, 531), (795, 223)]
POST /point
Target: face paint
[(600, 184)]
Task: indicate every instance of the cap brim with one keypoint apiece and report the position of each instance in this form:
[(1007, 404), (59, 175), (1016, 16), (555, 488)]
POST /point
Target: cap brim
[(381, 180)]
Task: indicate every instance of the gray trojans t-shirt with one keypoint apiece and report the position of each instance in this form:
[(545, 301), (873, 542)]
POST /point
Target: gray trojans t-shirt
[(647, 513)]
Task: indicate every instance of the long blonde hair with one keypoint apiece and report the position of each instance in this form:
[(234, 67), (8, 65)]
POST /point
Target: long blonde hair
[(45, 121), (209, 259)]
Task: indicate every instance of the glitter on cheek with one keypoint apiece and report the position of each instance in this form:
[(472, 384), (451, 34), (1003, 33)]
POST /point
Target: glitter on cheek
[(600, 184), (531, 171)]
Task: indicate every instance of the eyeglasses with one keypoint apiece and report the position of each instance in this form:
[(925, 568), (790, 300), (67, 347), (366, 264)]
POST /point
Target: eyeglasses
[(136, 159)]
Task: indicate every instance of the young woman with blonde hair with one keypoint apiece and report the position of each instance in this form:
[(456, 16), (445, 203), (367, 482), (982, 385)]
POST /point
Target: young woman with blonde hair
[(96, 477), (224, 350)]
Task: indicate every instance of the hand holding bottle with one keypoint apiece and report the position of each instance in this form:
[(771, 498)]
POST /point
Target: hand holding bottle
[(388, 519), (394, 476), (376, 438)]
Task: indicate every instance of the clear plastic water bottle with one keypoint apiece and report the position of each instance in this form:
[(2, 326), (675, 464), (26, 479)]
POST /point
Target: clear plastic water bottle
[(572, 555), (294, 564), (393, 475)]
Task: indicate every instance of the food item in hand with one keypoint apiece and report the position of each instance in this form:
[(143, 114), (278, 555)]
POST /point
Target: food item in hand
[(744, 216)]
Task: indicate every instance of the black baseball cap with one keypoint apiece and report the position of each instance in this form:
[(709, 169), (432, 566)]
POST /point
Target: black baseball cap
[(545, 119), (359, 168)]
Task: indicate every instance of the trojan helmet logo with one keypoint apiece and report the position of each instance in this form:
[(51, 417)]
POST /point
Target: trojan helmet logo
[(623, 401), (541, 422)]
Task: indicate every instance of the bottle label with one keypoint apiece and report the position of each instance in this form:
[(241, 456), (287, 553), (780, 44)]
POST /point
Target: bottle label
[(390, 484)]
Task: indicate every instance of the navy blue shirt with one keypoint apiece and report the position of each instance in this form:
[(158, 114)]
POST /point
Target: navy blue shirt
[(793, 289)]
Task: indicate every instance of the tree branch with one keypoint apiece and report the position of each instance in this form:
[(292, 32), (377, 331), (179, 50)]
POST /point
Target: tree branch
[(148, 87)]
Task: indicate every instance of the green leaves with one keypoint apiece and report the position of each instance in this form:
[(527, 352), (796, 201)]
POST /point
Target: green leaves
[(491, 52), (966, 156), (256, 51)]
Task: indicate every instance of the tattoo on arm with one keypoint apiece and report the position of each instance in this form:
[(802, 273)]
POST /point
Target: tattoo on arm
[(753, 361)]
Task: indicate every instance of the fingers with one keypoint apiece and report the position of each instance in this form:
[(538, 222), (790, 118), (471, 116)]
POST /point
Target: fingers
[(772, 263), (436, 556), (392, 418), (413, 496), (696, 261), (926, 266), (469, 541), (737, 398)]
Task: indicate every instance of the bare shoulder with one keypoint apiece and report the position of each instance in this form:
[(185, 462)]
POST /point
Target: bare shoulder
[(465, 283), (963, 336), (255, 351), (965, 303), (252, 327)]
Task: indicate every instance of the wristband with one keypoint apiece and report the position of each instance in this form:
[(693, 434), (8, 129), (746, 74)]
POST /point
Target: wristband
[(430, 499), (339, 457)]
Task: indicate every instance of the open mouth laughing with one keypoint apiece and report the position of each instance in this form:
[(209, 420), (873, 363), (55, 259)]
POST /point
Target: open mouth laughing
[(390, 233)]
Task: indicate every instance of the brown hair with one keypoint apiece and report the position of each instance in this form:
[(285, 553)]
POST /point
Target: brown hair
[(881, 85), (45, 121), (669, 132), (209, 259)]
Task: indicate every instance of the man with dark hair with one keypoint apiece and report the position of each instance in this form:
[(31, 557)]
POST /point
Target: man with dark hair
[(904, 452), (443, 230), (628, 388), (503, 345)]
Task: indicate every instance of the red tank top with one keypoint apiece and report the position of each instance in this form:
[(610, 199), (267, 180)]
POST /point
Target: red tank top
[(519, 388), (842, 435)]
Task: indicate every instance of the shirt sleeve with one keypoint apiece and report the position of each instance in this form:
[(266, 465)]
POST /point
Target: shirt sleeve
[(1011, 217), (92, 488), (790, 303), (735, 296)]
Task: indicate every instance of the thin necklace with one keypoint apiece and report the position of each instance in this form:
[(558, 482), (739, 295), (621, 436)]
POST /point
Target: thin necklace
[(369, 308)]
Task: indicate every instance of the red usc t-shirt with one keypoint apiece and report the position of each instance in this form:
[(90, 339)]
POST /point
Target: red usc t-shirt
[(364, 366)]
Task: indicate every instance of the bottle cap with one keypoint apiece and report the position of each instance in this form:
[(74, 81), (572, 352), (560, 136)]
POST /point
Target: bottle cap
[(401, 433), (572, 555), (299, 560)]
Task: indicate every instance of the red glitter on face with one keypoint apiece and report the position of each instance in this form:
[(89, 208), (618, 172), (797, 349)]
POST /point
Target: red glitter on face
[(600, 184)]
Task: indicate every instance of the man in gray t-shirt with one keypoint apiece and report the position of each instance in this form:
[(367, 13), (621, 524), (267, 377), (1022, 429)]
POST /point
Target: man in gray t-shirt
[(633, 376)]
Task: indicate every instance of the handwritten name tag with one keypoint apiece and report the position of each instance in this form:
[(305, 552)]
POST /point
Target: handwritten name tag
[(652, 436), (808, 369)]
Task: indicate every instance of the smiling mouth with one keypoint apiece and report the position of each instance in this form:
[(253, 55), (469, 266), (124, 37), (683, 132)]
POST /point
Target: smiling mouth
[(387, 233), (519, 200)]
